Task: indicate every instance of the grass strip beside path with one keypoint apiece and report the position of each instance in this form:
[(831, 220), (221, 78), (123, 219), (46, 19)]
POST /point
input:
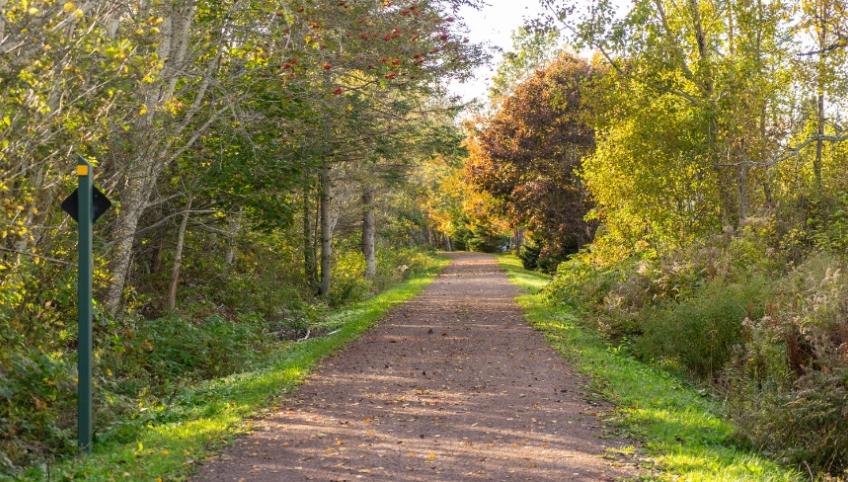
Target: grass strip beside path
[(204, 418), (679, 429)]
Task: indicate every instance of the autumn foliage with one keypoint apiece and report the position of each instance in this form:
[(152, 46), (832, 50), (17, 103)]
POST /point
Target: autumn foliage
[(529, 153)]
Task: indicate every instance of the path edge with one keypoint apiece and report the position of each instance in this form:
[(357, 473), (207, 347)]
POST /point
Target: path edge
[(176, 450), (658, 399)]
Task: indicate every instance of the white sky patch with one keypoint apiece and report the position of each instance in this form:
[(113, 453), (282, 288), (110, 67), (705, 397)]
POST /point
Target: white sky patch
[(493, 26)]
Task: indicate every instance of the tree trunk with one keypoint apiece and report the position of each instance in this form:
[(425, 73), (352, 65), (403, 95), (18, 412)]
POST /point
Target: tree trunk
[(448, 244), (178, 258), (743, 192), (310, 263), (817, 162), (150, 158), (820, 81), (232, 237), (326, 230), (517, 240), (132, 205), (369, 233), (156, 258)]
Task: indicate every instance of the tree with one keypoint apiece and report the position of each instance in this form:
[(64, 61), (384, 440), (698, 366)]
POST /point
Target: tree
[(529, 153)]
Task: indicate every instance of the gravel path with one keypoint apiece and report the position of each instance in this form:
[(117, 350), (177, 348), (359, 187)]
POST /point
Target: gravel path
[(450, 386)]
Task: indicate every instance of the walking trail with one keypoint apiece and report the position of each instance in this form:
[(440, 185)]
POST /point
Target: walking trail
[(450, 386)]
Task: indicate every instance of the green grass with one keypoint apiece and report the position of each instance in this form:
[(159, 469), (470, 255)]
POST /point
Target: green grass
[(204, 418), (680, 430)]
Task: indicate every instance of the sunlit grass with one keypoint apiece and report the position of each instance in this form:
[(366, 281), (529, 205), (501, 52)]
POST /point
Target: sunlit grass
[(679, 429), (531, 281), (204, 418)]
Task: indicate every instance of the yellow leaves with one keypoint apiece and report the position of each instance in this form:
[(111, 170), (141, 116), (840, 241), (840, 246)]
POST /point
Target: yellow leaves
[(33, 11), (69, 7), (143, 110), (174, 106), (27, 77)]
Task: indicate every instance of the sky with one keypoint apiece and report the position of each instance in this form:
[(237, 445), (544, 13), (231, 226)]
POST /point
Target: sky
[(493, 26)]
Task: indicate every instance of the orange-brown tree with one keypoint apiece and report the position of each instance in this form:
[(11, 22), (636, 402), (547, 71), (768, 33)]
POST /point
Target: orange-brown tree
[(528, 154)]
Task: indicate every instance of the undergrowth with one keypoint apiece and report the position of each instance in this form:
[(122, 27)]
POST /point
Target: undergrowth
[(679, 427), (168, 386)]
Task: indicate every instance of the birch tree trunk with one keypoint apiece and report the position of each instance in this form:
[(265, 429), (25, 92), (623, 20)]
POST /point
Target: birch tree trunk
[(178, 257), (326, 230), (369, 233), (132, 201), (310, 262), (154, 149), (232, 236), (821, 20)]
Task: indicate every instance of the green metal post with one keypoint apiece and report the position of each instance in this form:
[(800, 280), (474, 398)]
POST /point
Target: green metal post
[(84, 411)]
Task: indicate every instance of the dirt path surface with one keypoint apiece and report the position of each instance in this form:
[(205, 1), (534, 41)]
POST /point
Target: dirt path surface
[(451, 386)]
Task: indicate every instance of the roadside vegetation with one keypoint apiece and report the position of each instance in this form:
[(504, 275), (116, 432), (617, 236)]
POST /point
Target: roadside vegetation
[(166, 440), (272, 163), (266, 164), (679, 427), (685, 186)]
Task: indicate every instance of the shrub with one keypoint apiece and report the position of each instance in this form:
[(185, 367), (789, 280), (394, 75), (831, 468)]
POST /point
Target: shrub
[(529, 254), (579, 282), (698, 334), (789, 387), (37, 396)]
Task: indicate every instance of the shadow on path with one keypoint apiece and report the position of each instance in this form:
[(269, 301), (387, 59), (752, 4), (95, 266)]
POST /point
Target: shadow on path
[(450, 386)]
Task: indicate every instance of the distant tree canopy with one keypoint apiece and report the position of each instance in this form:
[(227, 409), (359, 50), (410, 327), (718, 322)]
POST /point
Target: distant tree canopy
[(529, 153)]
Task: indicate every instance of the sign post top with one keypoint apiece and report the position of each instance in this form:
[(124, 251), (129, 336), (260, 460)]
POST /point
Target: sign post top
[(83, 167), (99, 202)]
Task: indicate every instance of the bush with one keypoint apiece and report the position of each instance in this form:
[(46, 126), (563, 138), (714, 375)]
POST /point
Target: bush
[(789, 387), (579, 282), (529, 254), (537, 254), (174, 348), (37, 398), (139, 362), (699, 333)]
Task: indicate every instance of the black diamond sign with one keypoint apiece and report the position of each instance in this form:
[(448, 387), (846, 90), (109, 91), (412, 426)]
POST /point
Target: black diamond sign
[(100, 205)]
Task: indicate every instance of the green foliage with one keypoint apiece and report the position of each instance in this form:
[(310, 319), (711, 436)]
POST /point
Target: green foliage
[(791, 381), (529, 254), (139, 364), (680, 429), (534, 255), (698, 334), (393, 266), (165, 439), (143, 364), (734, 312), (531, 50)]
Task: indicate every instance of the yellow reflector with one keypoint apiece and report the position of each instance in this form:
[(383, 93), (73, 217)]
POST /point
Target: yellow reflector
[(82, 170)]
